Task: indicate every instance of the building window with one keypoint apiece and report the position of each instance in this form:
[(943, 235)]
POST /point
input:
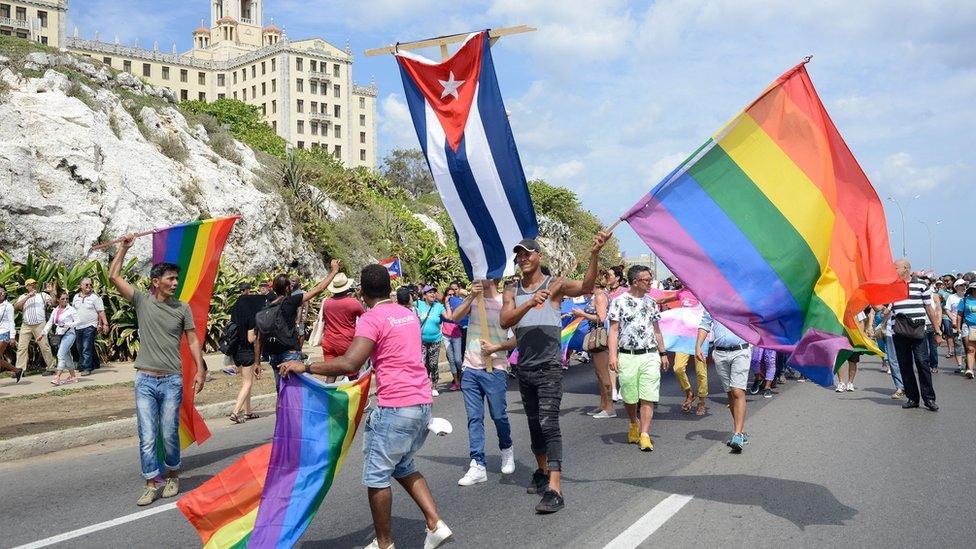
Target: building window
[(274, 85), (127, 66), (220, 96), (254, 91), (165, 73), (254, 71), (362, 102), (325, 89), (22, 14), (44, 40), (299, 63), (312, 65), (264, 109), (107, 61), (184, 95), (315, 106), (301, 144), (337, 152), (300, 107), (301, 126), (235, 77), (362, 137), (184, 75), (244, 94), (221, 80), (338, 132), (272, 65), (235, 95), (335, 71), (362, 154), (264, 88), (362, 120), (243, 75), (264, 67), (335, 110), (42, 15), (300, 85), (202, 78), (315, 128), (335, 90), (202, 96), (274, 107), (315, 86), (274, 125)]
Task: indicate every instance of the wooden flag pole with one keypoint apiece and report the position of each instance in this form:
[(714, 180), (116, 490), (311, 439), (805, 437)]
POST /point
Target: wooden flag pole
[(104, 245), (443, 41)]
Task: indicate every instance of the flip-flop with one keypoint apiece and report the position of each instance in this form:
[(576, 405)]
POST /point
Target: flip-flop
[(700, 409), (686, 405)]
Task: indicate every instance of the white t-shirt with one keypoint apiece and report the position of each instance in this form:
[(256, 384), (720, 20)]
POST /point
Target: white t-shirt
[(88, 308), (952, 306)]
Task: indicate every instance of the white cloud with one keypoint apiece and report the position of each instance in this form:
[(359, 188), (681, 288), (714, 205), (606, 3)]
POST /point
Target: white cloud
[(900, 173), (395, 123), (559, 173)]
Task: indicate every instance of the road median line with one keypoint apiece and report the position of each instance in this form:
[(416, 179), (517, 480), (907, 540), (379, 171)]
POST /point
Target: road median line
[(639, 531)]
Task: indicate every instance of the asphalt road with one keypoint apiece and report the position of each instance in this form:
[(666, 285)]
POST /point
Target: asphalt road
[(822, 469)]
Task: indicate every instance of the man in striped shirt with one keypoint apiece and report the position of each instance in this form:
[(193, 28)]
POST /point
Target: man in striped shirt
[(34, 306), (918, 308)]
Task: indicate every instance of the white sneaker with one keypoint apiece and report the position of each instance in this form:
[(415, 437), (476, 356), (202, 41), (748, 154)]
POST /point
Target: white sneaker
[(376, 545), (433, 392), (476, 473), (593, 412), (850, 387), (969, 374), (840, 387), (616, 396), (508, 460), (437, 536), (603, 414)]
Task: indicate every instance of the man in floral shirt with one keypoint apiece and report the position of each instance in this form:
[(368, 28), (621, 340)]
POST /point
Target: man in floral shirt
[(637, 353)]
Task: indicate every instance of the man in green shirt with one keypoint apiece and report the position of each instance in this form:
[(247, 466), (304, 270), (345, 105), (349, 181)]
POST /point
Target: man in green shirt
[(162, 321)]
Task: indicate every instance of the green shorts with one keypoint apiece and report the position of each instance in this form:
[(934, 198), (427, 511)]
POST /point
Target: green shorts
[(640, 377)]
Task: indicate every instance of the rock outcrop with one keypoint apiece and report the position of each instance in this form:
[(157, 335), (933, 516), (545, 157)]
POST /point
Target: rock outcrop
[(83, 163)]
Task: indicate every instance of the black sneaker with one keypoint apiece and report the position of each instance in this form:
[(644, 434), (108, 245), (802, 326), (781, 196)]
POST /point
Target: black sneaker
[(931, 405), (910, 404), (756, 385), (768, 393), (539, 484), (552, 501), (19, 374)]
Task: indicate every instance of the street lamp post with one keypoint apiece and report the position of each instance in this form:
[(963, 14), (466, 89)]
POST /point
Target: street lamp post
[(904, 251), (931, 244)]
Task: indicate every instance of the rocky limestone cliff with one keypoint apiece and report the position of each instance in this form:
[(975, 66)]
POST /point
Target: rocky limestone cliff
[(81, 164)]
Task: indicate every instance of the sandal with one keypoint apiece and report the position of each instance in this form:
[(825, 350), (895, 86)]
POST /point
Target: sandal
[(252, 415), (238, 419), (700, 410), (686, 405)]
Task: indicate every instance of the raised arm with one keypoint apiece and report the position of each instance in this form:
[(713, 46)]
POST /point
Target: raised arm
[(115, 269), (347, 364), (321, 286), (576, 288), (457, 314)]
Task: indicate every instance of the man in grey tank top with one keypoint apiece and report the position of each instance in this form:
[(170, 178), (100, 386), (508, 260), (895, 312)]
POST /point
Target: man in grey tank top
[(531, 307)]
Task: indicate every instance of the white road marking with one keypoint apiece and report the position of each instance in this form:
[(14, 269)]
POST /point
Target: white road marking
[(649, 523), (96, 527)]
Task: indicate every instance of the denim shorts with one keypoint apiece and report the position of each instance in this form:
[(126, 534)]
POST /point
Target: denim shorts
[(4, 337), (391, 438)]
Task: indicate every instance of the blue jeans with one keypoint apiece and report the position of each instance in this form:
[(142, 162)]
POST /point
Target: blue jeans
[(85, 342), (158, 402), (390, 439), (454, 354), (893, 362), (65, 360), (933, 349), (476, 387), (279, 359)]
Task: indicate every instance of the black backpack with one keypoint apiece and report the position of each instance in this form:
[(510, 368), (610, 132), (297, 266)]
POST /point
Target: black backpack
[(274, 330), (230, 340)]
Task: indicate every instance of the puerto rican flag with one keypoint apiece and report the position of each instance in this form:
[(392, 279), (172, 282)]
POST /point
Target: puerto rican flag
[(463, 128), (392, 265)]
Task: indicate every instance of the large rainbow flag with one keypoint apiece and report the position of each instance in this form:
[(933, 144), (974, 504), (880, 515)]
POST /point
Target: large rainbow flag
[(269, 496), (776, 229), (195, 247)]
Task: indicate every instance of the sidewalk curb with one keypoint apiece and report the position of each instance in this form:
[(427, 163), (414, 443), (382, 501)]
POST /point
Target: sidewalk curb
[(55, 441)]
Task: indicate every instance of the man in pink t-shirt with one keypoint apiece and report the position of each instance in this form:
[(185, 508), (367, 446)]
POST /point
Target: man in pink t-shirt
[(389, 334)]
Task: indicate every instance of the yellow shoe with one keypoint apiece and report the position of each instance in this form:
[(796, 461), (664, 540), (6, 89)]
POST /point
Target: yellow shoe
[(633, 435), (645, 443)]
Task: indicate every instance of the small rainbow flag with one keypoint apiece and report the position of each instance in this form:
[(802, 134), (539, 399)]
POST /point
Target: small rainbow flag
[(569, 330), (775, 228), (269, 496), (195, 247)]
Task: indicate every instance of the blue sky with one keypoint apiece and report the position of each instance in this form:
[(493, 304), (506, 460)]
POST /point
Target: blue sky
[(608, 96)]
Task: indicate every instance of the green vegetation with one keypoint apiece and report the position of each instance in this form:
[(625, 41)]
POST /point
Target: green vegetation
[(171, 145), (18, 48), (563, 205), (244, 121)]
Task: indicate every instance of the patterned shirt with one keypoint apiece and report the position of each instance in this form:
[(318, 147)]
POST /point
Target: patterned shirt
[(35, 309), (636, 317), (919, 297)]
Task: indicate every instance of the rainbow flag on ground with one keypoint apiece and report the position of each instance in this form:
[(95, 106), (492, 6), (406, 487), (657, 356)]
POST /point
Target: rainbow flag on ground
[(269, 496), (776, 229), (195, 247)]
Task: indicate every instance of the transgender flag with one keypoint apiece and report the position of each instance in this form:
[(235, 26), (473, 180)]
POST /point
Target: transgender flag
[(457, 110)]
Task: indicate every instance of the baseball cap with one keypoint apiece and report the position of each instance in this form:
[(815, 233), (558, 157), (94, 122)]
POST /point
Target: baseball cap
[(527, 244), (959, 282), (427, 288), (30, 281)]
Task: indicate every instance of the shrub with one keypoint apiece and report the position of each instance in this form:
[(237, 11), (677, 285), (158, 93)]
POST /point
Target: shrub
[(171, 145), (223, 144), (77, 91), (113, 122), (244, 121)]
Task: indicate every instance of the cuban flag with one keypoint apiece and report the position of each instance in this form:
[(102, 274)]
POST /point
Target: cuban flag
[(460, 119), (392, 265)]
